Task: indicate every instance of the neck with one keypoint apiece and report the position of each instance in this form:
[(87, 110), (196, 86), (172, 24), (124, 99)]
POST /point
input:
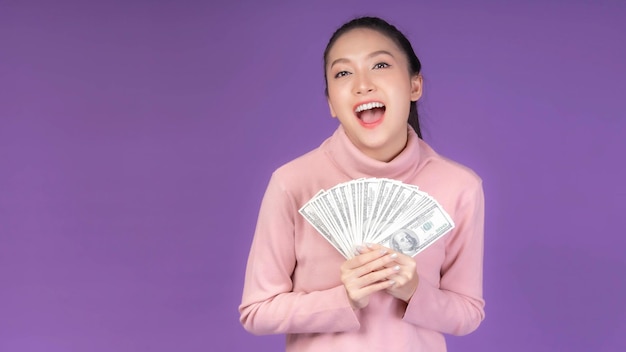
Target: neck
[(387, 154), (399, 163)]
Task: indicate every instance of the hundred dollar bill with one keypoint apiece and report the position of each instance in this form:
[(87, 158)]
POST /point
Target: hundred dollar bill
[(416, 235), (377, 210), (313, 215)]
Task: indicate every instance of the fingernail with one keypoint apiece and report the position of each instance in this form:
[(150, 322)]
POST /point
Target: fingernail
[(391, 282), (394, 255), (360, 248), (369, 245), (382, 251), (396, 268)]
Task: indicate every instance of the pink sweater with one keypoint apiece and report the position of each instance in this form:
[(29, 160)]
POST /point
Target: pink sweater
[(292, 282)]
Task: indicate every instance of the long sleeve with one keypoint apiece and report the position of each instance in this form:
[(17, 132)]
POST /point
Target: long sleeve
[(293, 277), (455, 304), (269, 305)]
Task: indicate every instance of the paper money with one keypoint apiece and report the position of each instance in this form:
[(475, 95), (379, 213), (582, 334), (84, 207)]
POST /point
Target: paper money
[(377, 210)]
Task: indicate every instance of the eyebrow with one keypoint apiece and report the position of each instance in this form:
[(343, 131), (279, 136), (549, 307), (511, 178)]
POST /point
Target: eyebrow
[(369, 56)]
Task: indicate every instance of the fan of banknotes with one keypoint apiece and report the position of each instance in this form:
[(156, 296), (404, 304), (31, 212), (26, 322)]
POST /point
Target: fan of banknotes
[(377, 210)]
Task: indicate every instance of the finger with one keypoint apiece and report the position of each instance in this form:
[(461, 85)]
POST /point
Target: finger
[(375, 276), (399, 257), (399, 279), (403, 259), (364, 258), (374, 287), (368, 247), (362, 248), (407, 263), (373, 246), (396, 259), (374, 265), (405, 271)]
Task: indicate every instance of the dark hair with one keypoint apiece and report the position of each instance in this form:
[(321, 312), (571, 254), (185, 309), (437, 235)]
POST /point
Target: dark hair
[(392, 33)]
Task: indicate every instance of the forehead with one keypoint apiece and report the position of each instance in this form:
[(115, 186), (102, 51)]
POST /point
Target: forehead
[(362, 41)]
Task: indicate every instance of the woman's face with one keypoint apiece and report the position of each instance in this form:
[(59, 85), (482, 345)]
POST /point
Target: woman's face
[(370, 91)]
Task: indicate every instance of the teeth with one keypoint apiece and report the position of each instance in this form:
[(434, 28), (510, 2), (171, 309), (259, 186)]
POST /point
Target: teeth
[(369, 106)]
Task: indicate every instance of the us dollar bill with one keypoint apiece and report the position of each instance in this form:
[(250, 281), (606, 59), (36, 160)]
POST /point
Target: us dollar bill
[(377, 210)]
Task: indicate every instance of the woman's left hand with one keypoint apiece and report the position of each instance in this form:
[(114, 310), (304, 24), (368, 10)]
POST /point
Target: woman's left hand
[(406, 279)]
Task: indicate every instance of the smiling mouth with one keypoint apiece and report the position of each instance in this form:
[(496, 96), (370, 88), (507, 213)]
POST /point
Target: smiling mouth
[(370, 114)]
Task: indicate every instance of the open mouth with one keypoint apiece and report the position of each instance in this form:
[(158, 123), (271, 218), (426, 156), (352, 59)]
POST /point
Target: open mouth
[(370, 114)]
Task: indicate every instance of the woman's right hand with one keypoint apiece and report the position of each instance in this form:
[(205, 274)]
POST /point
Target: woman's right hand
[(366, 273)]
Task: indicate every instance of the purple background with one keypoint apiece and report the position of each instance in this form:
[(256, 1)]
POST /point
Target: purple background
[(137, 138)]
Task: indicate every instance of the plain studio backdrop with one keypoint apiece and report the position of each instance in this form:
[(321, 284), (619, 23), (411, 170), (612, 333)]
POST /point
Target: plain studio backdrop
[(137, 139)]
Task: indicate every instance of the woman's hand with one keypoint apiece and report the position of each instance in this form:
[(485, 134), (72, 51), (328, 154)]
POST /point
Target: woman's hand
[(405, 279), (367, 273)]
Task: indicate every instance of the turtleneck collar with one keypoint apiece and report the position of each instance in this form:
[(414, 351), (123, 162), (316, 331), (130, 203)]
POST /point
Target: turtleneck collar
[(349, 159)]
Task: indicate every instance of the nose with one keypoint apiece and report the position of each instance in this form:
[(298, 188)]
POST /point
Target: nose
[(363, 85)]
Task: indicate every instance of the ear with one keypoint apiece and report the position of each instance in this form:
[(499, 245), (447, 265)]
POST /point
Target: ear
[(330, 106), (417, 83)]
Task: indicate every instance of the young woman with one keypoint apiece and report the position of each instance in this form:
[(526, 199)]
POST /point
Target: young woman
[(297, 283)]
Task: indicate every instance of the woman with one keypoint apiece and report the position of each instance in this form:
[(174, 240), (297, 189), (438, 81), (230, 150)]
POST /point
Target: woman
[(381, 300)]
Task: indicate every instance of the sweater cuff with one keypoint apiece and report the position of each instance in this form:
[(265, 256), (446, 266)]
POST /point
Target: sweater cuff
[(348, 320), (416, 312)]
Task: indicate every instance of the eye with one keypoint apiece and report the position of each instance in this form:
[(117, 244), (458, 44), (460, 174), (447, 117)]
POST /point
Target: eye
[(342, 74), (381, 65)]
